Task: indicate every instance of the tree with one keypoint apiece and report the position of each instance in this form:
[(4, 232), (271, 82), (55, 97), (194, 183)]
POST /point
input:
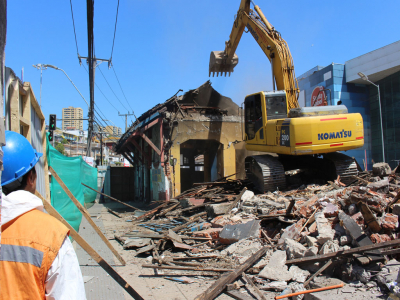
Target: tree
[(60, 147), (64, 141)]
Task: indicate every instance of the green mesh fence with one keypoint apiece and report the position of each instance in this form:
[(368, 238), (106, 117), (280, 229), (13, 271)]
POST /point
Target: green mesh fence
[(73, 171)]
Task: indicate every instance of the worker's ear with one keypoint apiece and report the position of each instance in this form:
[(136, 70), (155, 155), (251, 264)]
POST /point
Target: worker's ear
[(31, 181)]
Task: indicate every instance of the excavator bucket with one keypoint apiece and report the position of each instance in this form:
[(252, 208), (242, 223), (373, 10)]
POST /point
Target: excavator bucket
[(220, 65)]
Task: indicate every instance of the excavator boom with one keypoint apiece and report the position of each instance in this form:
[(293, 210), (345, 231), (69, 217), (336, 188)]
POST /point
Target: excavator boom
[(270, 41)]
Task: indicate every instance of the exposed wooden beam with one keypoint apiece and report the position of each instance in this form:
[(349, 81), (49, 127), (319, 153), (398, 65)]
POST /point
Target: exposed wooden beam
[(161, 142), (150, 143), (128, 158), (138, 148)]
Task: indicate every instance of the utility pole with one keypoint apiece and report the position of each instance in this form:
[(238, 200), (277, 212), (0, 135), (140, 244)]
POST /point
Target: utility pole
[(126, 118)]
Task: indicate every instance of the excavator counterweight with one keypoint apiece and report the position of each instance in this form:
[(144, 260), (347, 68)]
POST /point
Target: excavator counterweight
[(220, 64)]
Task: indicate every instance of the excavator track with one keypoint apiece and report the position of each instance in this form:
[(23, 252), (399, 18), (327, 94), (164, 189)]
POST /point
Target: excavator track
[(345, 166), (266, 172)]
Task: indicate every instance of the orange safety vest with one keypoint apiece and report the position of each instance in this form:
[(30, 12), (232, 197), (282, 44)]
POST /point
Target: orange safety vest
[(29, 245)]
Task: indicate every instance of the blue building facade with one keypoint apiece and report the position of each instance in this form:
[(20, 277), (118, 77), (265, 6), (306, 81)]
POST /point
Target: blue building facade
[(354, 96)]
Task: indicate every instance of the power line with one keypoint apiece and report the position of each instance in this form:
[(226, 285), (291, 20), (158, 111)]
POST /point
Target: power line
[(102, 92), (111, 88), (123, 91), (115, 30), (73, 24)]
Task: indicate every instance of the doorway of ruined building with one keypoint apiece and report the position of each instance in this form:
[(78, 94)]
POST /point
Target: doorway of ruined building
[(200, 161)]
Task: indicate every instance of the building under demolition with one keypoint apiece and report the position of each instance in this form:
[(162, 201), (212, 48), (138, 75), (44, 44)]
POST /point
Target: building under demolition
[(196, 137)]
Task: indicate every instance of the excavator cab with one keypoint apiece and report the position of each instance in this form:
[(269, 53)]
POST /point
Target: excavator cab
[(220, 64), (274, 106)]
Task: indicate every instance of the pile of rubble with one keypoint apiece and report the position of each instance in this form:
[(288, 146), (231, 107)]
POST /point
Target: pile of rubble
[(315, 237)]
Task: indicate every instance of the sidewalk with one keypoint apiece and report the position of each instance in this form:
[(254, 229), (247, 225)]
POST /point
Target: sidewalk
[(101, 286)]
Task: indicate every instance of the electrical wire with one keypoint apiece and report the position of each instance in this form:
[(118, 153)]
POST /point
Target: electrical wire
[(102, 92), (111, 88), (115, 30), (73, 24), (123, 91)]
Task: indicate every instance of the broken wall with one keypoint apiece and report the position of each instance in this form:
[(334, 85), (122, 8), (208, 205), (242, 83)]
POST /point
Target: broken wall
[(223, 129)]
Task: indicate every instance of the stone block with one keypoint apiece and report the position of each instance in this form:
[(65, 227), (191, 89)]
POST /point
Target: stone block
[(291, 232), (311, 241), (214, 210), (278, 286), (396, 209), (298, 274), (381, 169), (249, 209), (324, 281), (276, 268), (329, 247), (186, 202), (233, 233), (325, 231), (242, 248), (294, 249), (352, 209), (345, 240), (312, 251), (247, 196)]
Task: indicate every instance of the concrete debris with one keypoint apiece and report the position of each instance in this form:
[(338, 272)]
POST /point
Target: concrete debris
[(323, 281), (311, 241), (233, 233), (381, 169), (297, 287), (276, 268), (294, 249), (352, 209), (242, 249), (291, 232), (396, 209), (298, 274), (361, 274), (345, 240), (220, 225), (214, 210), (278, 286), (329, 247), (325, 231)]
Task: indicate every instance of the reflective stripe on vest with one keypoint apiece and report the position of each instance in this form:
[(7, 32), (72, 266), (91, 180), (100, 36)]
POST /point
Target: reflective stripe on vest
[(22, 254)]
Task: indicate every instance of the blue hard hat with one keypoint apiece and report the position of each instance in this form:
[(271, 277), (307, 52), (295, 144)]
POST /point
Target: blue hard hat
[(19, 157)]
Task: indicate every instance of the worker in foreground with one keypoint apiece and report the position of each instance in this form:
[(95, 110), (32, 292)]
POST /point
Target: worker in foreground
[(37, 260)]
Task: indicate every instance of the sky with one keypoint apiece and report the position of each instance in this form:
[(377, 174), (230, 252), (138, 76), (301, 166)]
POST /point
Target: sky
[(163, 46)]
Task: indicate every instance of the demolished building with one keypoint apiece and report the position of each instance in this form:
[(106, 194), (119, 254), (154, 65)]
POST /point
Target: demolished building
[(192, 138)]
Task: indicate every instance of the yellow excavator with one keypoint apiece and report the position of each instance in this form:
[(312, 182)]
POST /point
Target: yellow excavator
[(296, 138)]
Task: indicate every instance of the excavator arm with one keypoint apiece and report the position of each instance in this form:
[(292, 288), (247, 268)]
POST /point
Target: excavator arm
[(270, 41)]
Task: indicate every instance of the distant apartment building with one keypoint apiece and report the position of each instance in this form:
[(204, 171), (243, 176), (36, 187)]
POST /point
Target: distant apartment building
[(72, 118), (114, 130)]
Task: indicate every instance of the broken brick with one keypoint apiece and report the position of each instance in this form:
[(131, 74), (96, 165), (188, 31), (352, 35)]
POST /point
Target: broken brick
[(379, 238), (358, 217), (212, 233), (390, 222)]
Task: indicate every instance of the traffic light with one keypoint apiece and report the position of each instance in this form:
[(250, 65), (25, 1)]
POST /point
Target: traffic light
[(51, 135), (52, 125)]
